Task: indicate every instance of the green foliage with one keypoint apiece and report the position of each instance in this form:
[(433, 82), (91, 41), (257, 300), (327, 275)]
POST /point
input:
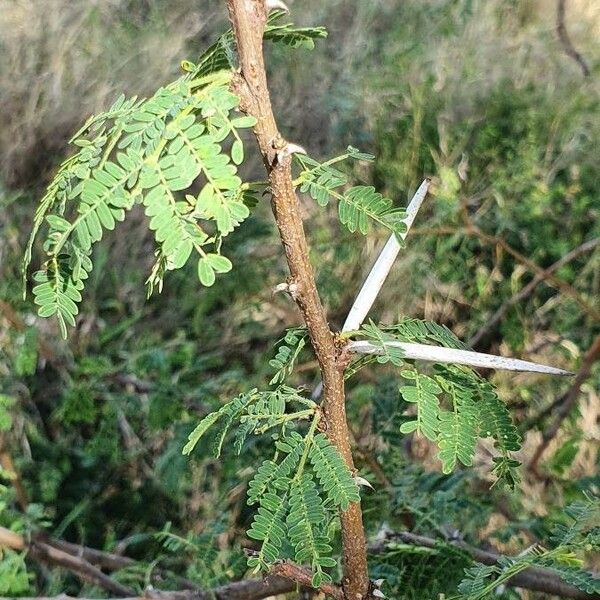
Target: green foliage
[(333, 474), (424, 393), (6, 403), (583, 517), (287, 354), (455, 406), (457, 427), (291, 504), (103, 451), (357, 205), (306, 522), (14, 578), (145, 151), (414, 573)]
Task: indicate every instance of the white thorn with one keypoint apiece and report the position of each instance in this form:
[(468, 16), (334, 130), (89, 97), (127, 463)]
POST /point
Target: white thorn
[(383, 265), (378, 594), (455, 356), (379, 582), (274, 4), (293, 290), (362, 481), (288, 150), (281, 287)]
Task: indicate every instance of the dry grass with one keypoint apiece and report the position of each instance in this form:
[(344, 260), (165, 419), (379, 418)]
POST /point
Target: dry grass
[(63, 60)]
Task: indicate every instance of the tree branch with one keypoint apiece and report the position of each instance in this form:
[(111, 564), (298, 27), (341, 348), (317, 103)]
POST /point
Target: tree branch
[(565, 40), (249, 18), (567, 401), (534, 579), (247, 589), (304, 578), (527, 290), (50, 555)]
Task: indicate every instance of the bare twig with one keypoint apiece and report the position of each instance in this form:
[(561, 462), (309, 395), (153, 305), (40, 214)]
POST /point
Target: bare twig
[(249, 18), (551, 279), (527, 290), (455, 356), (567, 402), (565, 40)]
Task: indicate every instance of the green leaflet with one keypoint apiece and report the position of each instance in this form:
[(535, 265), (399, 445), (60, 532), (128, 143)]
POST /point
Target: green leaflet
[(424, 393), (150, 151), (357, 205), (306, 528), (287, 354), (455, 407), (268, 527), (333, 474), (227, 413), (457, 428), (270, 474), (361, 203)]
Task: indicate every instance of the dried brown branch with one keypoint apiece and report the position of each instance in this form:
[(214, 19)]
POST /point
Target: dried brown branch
[(7, 464), (249, 18), (566, 403), (534, 579), (44, 553), (528, 289), (565, 40), (248, 589), (286, 577)]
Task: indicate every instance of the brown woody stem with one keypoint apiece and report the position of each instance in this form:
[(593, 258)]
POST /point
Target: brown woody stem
[(249, 19)]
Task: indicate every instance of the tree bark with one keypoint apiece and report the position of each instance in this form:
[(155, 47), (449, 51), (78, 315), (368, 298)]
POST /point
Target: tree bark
[(249, 18)]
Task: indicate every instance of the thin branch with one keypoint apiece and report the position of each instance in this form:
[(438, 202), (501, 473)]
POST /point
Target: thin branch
[(565, 40), (303, 577), (558, 283), (247, 589), (534, 579), (380, 270), (7, 464), (249, 18), (455, 356), (527, 290), (103, 560), (50, 555), (567, 402), (551, 279)]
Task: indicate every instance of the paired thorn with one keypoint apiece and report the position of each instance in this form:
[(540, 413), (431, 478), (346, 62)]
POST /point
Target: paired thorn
[(288, 288), (376, 588)]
